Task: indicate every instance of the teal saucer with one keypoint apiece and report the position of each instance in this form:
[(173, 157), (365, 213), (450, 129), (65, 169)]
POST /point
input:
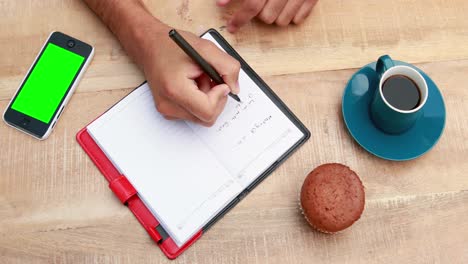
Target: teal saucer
[(411, 144)]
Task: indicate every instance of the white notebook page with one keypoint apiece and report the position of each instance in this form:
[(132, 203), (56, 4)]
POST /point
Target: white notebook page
[(249, 137), (176, 175), (186, 173)]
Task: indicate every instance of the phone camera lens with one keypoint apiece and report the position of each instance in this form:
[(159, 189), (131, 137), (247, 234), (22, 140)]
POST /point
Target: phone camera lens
[(71, 43)]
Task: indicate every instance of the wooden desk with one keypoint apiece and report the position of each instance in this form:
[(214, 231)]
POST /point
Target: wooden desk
[(55, 207)]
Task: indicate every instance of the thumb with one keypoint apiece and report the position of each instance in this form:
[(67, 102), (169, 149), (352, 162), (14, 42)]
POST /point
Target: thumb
[(218, 93), (227, 66)]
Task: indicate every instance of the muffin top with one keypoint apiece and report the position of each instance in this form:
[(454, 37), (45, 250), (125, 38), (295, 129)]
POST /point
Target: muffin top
[(332, 197)]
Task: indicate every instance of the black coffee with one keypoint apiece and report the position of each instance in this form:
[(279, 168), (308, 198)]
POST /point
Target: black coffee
[(401, 92)]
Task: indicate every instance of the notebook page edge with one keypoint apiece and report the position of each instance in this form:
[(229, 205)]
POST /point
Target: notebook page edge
[(271, 152)]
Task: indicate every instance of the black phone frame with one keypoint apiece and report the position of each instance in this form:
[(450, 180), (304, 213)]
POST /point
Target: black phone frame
[(28, 123)]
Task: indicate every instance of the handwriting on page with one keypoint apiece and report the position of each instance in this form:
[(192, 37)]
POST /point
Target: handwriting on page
[(257, 126), (237, 112)]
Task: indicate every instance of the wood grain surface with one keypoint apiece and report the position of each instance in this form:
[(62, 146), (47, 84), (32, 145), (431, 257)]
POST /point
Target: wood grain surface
[(55, 207)]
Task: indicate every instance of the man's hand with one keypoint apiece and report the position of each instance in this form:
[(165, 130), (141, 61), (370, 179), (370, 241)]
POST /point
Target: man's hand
[(280, 12), (180, 88)]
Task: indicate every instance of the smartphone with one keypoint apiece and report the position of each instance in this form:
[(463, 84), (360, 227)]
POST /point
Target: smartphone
[(48, 85)]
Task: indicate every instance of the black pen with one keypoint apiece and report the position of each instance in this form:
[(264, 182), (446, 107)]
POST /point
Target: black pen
[(192, 53)]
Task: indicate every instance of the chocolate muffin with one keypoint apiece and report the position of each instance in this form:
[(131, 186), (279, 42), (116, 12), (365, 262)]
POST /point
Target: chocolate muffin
[(332, 197)]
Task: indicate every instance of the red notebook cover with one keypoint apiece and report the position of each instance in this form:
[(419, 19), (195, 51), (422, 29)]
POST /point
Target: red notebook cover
[(128, 196)]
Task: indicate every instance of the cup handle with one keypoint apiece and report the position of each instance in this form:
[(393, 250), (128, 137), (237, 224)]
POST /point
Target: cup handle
[(383, 63)]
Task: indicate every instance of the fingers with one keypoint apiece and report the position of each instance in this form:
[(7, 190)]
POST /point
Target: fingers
[(185, 92), (220, 98), (288, 12), (280, 12), (204, 83), (248, 10), (304, 11), (272, 10), (222, 2), (205, 106), (225, 64), (172, 111)]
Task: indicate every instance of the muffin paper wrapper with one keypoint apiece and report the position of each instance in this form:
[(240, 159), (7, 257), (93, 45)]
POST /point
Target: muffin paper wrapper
[(310, 223)]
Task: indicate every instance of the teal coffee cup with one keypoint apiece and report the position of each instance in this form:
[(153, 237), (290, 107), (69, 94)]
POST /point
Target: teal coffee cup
[(399, 100)]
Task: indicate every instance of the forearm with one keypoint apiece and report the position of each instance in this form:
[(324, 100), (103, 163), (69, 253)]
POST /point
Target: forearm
[(130, 22)]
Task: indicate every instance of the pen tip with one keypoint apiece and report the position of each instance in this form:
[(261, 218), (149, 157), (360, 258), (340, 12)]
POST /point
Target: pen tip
[(235, 97)]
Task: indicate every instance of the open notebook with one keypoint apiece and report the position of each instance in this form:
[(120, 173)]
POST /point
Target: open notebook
[(186, 173)]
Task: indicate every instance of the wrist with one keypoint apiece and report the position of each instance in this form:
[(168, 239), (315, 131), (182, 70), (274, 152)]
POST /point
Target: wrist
[(139, 32), (135, 27), (147, 32), (148, 41)]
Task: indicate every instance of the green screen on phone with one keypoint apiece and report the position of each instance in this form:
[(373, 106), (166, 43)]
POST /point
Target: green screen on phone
[(48, 82)]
